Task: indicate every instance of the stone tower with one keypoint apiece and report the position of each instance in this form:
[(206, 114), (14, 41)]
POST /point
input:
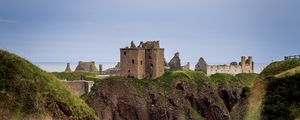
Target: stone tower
[(247, 65), (143, 61), (68, 68), (175, 62), (100, 69), (201, 65)]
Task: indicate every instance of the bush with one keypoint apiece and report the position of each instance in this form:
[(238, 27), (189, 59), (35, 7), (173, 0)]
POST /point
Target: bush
[(279, 66), (283, 96)]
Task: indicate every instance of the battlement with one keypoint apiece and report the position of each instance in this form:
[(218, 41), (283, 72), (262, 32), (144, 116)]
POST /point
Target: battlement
[(245, 66), (292, 57), (144, 45)]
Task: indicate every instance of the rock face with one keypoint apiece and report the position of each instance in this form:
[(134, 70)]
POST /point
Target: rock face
[(201, 65), (119, 99), (174, 63)]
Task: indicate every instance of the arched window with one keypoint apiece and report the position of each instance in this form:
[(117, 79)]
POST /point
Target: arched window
[(141, 62), (124, 53), (132, 61), (150, 57)]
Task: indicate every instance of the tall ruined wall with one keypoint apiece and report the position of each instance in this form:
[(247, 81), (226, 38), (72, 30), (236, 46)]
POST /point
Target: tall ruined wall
[(133, 62), (155, 62), (145, 60), (79, 87)]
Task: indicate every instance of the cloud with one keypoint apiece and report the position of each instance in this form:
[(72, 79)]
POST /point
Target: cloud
[(2, 20)]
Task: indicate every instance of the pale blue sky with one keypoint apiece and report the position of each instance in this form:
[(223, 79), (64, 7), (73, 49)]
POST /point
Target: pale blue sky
[(218, 30)]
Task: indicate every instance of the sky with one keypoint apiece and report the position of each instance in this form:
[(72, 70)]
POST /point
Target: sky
[(219, 30)]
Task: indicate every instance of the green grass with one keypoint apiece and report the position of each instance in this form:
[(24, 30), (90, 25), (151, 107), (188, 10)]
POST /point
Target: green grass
[(187, 75), (76, 75), (279, 66), (222, 79), (26, 90)]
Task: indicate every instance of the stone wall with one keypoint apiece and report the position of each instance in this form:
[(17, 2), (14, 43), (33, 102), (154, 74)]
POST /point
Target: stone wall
[(144, 61), (79, 87), (154, 62), (133, 62), (245, 66), (230, 69)]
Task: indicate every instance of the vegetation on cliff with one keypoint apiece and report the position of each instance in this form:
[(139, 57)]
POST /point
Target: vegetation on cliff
[(175, 95), (28, 92), (282, 98), (269, 99)]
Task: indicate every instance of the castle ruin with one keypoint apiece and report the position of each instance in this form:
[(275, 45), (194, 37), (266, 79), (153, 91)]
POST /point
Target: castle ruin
[(86, 67), (292, 57), (245, 66), (143, 61)]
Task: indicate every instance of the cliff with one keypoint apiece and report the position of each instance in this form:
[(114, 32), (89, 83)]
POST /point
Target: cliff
[(176, 95), (27, 92)]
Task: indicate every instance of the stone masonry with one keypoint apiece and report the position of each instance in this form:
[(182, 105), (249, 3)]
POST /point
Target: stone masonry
[(143, 61), (245, 66), (79, 87)]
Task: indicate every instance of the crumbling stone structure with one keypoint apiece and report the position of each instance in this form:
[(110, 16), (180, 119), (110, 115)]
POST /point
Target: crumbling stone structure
[(245, 66), (292, 57), (86, 67), (68, 68), (175, 63), (201, 65), (116, 70), (143, 61), (79, 87)]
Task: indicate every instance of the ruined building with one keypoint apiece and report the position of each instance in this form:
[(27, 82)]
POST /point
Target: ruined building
[(143, 61), (86, 67), (68, 68), (245, 66), (175, 64), (292, 57)]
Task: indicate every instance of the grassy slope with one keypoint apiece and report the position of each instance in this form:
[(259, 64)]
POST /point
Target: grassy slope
[(259, 90), (76, 75), (282, 99), (29, 92)]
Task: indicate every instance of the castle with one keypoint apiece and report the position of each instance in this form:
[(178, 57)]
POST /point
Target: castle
[(85, 67), (245, 66), (292, 57), (143, 61)]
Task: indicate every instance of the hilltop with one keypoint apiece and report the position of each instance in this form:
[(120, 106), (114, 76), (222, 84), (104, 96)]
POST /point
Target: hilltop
[(27, 92), (275, 94)]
